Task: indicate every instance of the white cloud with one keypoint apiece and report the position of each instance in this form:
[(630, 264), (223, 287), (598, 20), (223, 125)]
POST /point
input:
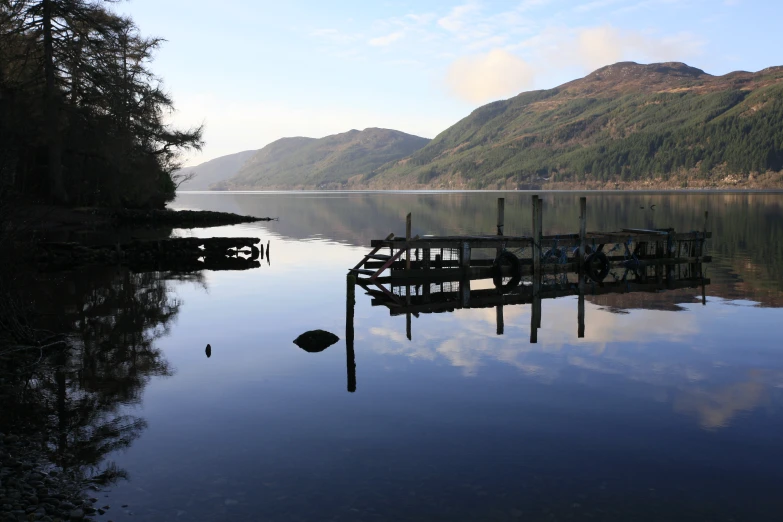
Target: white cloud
[(592, 47), (599, 46), (493, 75), (383, 41), (458, 17)]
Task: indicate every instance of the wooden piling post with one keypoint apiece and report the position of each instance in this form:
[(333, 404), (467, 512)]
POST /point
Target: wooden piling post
[(501, 219), (535, 310), (407, 241), (350, 355), (540, 222), (464, 291), (464, 284), (408, 263), (581, 309), (537, 303), (669, 255), (501, 215), (701, 260), (499, 319), (582, 229), (464, 258), (408, 328), (536, 237), (704, 236)]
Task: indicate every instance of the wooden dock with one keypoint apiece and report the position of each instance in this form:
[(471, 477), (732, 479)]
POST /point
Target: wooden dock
[(498, 255), (419, 275)]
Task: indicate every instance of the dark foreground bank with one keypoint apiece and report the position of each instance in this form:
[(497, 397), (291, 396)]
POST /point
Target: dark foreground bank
[(48, 433)]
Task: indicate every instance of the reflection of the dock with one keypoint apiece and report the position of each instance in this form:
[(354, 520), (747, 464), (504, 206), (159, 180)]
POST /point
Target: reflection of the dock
[(425, 297), (448, 296)]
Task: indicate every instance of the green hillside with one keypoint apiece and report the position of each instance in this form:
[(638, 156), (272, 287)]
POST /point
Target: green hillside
[(210, 172), (328, 162), (623, 123)]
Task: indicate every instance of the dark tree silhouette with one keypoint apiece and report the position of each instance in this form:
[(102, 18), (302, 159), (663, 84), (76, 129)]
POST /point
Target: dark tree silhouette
[(82, 117)]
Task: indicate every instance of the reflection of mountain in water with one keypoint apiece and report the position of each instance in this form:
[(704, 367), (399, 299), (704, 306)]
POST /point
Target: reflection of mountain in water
[(79, 395), (747, 244)]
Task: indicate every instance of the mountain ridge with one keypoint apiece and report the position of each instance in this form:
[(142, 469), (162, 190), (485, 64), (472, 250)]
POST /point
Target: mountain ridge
[(326, 162), (623, 124)]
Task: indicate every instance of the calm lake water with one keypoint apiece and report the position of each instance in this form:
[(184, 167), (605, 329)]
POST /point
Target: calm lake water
[(668, 409)]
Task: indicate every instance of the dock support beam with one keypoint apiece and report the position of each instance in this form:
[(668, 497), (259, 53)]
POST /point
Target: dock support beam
[(536, 237), (464, 256), (501, 219), (581, 309), (464, 291), (407, 241), (701, 257), (582, 229), (535, 310), (499, 319), (350, 355)]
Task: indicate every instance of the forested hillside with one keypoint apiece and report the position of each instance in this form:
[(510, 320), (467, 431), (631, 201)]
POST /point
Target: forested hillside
[(82, 117), (624, 123), (329, 162)]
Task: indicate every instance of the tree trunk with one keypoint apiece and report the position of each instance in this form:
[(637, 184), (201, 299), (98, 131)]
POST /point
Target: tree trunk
[(55, 168)]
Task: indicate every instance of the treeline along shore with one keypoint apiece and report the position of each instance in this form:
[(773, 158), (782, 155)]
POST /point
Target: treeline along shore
[(82, 116), (88, 163)]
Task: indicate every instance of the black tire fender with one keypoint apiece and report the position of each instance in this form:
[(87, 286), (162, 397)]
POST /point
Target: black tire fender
[(597, 266), (506, 258)]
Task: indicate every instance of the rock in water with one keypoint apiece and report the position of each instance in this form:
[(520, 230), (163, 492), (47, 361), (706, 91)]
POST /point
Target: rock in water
[(208, 351), (316, 341)]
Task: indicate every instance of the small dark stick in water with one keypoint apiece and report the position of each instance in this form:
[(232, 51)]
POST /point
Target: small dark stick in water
[(208, 351)]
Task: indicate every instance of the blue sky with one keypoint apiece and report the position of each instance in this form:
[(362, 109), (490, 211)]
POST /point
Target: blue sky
[(256, 71)]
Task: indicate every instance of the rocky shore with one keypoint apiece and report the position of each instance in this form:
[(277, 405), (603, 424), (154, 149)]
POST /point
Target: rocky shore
[(31, 490)]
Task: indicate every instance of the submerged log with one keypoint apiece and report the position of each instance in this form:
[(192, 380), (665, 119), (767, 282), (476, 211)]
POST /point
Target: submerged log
[(180, 254)]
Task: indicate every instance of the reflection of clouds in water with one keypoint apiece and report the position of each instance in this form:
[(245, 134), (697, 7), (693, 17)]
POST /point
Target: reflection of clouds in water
[(715, 407), (668, 351), (470, 337), (400, 345)]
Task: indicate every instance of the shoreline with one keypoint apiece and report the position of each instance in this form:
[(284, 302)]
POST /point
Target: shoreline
[(55, 238), (778, 190), (36, 218)]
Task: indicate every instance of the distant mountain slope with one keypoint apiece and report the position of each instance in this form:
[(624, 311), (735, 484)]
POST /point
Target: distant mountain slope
[(328, 162), (622, 123), (215, 170)]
